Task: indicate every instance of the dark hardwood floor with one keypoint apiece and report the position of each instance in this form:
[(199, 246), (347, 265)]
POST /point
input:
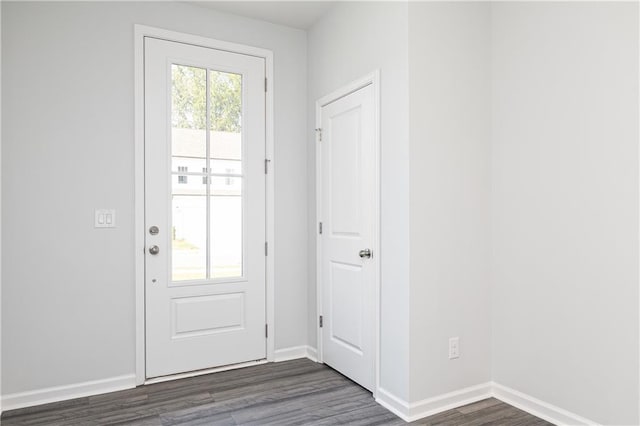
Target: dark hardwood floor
[(298, 392)]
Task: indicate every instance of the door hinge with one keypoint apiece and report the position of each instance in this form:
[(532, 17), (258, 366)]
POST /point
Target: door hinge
[(319, 132), (266, 248), (320, 321), (266, 165), (319, 227), (266, 330), (265, 84)]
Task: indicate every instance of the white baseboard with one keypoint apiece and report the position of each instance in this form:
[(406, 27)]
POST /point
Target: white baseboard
[(406, 411), (295, 352), (430, 406), (62, 393), (96, 387), (538, 408), (410, 412), (312, 354), (397, 406)]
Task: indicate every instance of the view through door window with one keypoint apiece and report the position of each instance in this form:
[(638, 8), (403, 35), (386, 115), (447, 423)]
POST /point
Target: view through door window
[(206, 174)]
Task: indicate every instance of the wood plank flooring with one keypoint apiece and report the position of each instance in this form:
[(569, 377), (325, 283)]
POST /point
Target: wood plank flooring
[(298, 392)]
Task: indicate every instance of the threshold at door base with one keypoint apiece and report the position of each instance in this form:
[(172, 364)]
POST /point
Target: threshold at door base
[(203, 372)]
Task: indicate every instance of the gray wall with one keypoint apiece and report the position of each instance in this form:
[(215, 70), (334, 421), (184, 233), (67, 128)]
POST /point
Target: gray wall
[(68, 305), (547, 212), (523, 193), (352, 40), (450, 128), (565, 205)]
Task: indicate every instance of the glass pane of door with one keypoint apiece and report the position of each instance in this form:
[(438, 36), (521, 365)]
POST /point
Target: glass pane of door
[(226, 227), (188, 239), (207, 174)]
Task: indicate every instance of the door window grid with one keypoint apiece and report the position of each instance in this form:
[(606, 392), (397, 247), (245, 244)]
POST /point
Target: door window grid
[(231, 177), (182, 178)]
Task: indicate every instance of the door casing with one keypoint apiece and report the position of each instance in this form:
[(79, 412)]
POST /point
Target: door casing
[(373, 79), (140, 32)]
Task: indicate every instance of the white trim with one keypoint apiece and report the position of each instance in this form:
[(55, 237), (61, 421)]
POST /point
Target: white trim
[(312, 354), (430, 406), (374, 80), (318, 240), (138, 83), (270, 275), (638, 236), (0, 212), (63, 393), (196, 373), (397, 406), (295, 352), (410, 412), (141, 31), (538, 408), (287, 354)]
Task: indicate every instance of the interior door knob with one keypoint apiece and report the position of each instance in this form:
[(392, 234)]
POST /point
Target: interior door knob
[(365, 253), (154, 250)]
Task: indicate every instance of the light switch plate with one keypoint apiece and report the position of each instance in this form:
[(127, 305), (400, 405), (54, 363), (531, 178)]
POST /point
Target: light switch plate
[(105, 218)]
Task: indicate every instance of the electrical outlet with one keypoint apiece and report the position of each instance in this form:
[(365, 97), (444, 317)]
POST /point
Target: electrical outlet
[(454, 348)]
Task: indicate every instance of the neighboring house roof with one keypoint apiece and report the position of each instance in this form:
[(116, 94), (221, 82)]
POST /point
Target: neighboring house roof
[(192, 143)]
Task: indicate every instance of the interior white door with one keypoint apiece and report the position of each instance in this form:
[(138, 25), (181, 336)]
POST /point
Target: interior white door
[(204, 207), (347, 189)]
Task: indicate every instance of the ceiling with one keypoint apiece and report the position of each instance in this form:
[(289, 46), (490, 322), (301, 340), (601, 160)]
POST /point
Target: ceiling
[(296, 14)]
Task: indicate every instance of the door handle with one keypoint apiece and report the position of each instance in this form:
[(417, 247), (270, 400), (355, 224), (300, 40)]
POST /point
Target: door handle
[(154, 250), (365, 253)]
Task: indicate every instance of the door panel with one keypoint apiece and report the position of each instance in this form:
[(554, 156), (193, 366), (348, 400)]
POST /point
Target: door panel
[(205, 192), (348, 203), (346, 288), (201, 315), (345, 172)]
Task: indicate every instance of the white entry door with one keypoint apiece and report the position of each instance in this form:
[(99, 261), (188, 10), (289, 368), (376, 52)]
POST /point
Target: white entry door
[(204, 207), (348, 263)]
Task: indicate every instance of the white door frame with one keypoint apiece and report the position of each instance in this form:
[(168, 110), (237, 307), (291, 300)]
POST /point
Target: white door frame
[(374, 80), (140, 32)]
